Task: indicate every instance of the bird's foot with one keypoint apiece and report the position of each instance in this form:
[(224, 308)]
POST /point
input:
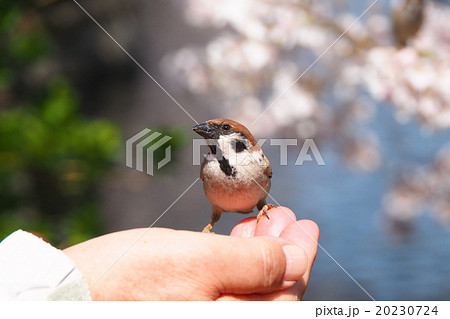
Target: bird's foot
[(264, 211), (207, 229)]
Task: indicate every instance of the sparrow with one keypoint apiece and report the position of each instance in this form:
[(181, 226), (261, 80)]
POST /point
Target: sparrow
[(235, 173), (407, 20)]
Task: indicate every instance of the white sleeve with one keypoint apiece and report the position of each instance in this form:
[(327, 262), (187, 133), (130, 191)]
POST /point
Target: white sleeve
[(31, 269)]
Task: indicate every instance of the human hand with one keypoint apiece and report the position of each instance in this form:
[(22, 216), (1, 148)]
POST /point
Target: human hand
[(164, 264), (282, 225)]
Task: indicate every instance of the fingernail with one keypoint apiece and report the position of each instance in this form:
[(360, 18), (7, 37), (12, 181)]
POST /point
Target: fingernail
[(287, 284), (296, 262)]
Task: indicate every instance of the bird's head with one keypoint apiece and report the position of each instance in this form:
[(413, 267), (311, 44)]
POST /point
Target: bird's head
[(228, 135)]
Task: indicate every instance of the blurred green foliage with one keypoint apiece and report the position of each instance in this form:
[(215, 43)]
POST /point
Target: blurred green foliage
[(52, 159)]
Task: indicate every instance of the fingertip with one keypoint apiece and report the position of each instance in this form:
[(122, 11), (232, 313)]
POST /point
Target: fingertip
[(285, 210), (304, 233), (245, 228), (311, 227), (280, 218)]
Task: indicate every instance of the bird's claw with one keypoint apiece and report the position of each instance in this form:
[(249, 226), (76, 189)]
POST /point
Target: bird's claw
[(264, 211), (207, 229)]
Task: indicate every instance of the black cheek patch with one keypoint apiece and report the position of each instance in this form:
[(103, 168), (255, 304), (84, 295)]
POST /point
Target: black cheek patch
[(226, 167), (239, 146)]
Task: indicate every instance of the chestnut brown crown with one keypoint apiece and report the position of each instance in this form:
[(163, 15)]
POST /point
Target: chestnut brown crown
[(213, 129)]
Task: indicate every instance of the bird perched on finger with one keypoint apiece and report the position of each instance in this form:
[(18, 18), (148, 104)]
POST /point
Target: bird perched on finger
[(236, 173)]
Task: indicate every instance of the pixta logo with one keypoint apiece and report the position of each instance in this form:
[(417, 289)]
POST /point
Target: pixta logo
[(308, 148), (141, 149)]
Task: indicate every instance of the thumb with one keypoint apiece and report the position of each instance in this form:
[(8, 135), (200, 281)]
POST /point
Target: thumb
[(257, 265)]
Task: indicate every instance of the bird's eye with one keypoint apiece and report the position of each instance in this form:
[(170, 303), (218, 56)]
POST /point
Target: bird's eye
[(226, 127)]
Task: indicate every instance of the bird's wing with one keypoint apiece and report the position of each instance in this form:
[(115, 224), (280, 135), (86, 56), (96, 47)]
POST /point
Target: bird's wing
[(268, 170)]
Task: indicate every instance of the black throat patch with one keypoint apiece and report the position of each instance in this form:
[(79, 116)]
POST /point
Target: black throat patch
[(226, 167)]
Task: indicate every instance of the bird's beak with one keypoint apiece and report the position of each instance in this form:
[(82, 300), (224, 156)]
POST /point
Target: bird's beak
[(205, 131)]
